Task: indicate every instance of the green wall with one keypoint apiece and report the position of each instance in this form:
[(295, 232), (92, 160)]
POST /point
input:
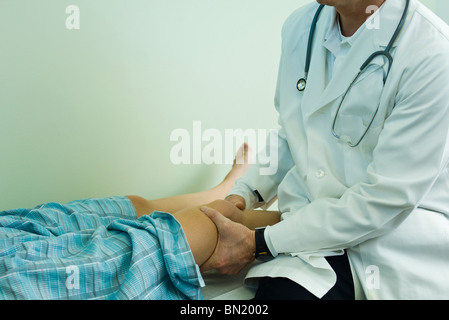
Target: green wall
[(88, 112)]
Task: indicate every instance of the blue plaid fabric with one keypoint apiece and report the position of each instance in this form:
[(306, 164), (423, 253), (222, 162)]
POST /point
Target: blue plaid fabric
[(94, 249)]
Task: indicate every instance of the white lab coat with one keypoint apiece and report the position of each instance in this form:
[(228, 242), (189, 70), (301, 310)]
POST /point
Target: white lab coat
[(385, 201)]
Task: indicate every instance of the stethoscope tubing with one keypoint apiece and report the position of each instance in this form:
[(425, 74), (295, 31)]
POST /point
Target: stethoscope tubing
[(302, 83)]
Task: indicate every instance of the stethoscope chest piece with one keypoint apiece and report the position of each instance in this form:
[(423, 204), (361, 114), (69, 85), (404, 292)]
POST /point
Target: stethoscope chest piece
[(301, 85)]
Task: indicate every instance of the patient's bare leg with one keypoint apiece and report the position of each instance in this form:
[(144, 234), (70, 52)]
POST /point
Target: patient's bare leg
[(202, 233), (199, 229), (180, 202)]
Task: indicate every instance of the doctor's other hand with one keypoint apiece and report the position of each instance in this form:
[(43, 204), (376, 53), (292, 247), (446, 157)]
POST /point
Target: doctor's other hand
[(235, 247), (236, 200)]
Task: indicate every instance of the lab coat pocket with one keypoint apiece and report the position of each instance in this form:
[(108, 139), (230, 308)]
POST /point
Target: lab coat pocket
[(352, 128), (357, 159), (363, 98), (360, 113)]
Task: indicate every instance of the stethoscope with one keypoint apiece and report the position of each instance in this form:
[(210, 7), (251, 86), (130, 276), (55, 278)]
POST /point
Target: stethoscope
[(302, 83)]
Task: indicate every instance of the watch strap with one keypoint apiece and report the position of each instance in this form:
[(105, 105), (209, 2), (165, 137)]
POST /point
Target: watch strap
[(262, 251)]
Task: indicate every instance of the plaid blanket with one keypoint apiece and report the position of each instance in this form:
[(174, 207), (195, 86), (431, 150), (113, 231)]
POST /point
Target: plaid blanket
[(94, 249)]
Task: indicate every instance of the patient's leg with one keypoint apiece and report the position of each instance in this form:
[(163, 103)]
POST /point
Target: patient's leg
[(201, 232), (180, 202), (199, 229)]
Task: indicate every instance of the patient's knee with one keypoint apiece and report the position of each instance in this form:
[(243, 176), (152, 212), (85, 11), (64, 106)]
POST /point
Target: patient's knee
[(225, 208), (142, 205)]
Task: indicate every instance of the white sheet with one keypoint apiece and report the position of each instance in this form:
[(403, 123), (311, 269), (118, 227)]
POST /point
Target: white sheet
[(221, 287)]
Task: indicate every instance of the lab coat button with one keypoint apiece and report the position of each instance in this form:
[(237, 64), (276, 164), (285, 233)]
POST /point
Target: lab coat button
[(319, 174)]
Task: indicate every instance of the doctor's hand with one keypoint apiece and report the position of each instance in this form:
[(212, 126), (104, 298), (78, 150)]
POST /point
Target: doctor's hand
[(235, 247)]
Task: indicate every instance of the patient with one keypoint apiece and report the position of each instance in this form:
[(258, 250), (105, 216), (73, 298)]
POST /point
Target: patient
[(117, 247)]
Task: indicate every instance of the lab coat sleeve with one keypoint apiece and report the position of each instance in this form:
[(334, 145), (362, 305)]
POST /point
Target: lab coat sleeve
[(266, 175), (412, 151), (262, 178)]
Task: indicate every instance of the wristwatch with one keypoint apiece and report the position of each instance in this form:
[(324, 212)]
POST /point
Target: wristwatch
[(262, 252)]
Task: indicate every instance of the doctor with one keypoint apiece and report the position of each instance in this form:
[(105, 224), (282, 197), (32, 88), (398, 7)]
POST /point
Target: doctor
[(363, 180)]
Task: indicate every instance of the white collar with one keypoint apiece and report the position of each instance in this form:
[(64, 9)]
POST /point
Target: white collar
[(334, 39)]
